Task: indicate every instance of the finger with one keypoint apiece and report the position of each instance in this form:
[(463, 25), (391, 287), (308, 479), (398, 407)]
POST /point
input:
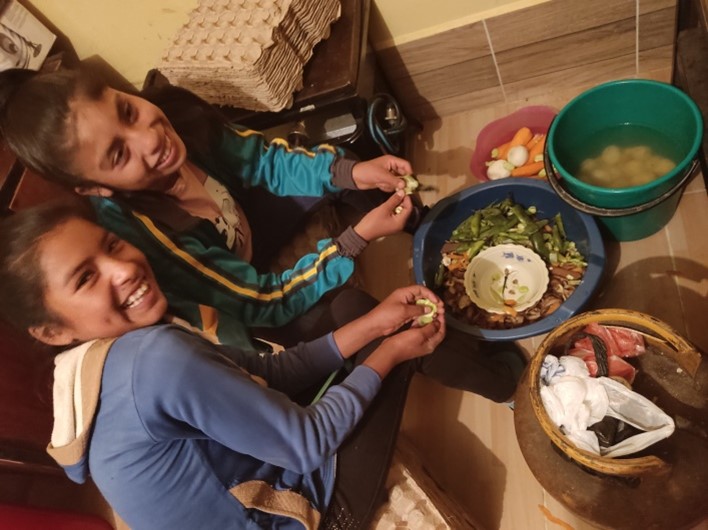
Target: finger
[(397, 198), (389, 182), (429, 331), (412, 312), (424, 292), (413, 292), (439, 334), (400, 166), (394, 201), (402, 211), (404, 201)]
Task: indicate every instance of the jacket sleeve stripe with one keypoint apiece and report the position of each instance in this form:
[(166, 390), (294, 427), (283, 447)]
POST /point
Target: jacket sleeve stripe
[(245, 133), (292, 284)]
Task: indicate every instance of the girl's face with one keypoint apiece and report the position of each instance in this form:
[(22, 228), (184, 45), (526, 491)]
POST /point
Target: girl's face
[(124, 143), (96, 285)]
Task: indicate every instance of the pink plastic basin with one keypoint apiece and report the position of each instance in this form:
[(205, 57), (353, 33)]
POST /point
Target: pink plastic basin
[(536, 118)]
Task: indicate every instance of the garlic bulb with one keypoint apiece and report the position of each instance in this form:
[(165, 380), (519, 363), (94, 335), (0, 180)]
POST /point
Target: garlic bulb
[(518, 155), (499, 169)]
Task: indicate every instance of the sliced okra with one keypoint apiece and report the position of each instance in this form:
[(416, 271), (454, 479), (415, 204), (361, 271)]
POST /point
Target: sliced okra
[(430, 315)]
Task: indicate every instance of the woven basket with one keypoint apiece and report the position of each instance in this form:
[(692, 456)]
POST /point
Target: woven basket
[(657, 334)]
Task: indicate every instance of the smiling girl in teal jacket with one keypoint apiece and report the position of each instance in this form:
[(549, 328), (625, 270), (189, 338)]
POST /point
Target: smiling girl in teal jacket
[(209, 204)]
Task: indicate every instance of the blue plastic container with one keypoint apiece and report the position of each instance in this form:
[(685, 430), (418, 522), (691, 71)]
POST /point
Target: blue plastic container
[(447, 214)]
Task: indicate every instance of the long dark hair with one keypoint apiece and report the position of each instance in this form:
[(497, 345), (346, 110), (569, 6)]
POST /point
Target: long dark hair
[(21, 280), (35, 118)]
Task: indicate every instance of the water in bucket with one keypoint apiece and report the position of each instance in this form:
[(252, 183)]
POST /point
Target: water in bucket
[(626, 155)]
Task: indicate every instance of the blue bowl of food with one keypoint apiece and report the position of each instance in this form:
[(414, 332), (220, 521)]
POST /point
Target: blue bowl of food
[(512, 211)]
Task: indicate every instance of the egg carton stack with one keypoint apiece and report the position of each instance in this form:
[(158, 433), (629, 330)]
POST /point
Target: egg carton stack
[(415, 501), (248, 53)]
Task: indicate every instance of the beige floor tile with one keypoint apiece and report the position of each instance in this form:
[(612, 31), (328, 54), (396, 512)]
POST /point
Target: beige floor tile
[(689, 245), (642, 280), (696, 184)]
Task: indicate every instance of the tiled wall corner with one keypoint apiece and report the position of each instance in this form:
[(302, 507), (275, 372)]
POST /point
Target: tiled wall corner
[(559, 44), (443, 73), (657, 29)]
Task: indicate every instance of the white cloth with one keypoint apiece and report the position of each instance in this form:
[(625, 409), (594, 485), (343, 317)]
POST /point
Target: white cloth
[(575, 401), (68, 422)]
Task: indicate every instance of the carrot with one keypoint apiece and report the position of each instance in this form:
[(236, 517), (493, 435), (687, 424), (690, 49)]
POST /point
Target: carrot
[(537, 149), (501, 151), (527, 170), (533, 141), (521, 137)]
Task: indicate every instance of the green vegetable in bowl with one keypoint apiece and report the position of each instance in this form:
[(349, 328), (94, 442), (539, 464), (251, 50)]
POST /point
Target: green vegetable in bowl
[(507, 222), (432, 312)]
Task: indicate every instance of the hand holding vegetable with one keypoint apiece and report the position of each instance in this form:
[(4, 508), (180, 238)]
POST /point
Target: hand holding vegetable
[(382, 173), (395, 311), (398, 309), (401, 307), (406, 345), (386, 219)]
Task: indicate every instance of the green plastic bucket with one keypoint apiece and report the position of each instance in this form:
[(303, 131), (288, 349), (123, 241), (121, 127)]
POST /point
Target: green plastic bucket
[(663, 114)]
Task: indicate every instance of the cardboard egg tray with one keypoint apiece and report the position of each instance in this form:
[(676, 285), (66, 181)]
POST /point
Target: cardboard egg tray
[(248, 54)]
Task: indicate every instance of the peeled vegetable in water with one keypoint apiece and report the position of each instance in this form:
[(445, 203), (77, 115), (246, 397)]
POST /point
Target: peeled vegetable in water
[(430, 315)]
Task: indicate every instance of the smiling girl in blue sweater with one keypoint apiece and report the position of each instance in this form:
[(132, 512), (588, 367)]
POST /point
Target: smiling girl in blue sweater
[(178, 432)]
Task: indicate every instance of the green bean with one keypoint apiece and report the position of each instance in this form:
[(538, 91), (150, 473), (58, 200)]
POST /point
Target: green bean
[(556, 239), (522, 216), (492, 210), (473, 249), (507, 222), (506, 203), (514, 236), (439, 275), (558, 220), (496, 220), (541, 223), (475, 223), (539, 244), (498, 228)]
